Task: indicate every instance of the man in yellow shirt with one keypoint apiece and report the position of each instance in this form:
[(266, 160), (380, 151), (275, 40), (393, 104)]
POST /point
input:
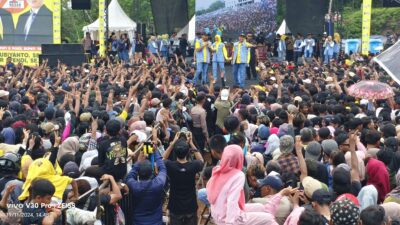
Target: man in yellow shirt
[(202, 47), (241, 58)]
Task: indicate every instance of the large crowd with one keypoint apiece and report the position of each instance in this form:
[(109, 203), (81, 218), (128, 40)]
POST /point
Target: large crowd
[(78, 142), (254, 17)]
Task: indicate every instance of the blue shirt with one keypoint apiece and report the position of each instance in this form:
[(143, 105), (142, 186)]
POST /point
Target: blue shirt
[(148, 195)]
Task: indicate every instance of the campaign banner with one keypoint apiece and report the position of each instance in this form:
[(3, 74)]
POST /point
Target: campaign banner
[(25, 25), (102, 27), (366, 26), (232, 17)]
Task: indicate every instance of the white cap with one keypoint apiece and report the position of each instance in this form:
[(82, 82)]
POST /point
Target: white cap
[(298, 98), (352, 74), (307, 81), (184, 91), (224, 94), (364, 102), (141, 135), (3, 93), (329, 79)]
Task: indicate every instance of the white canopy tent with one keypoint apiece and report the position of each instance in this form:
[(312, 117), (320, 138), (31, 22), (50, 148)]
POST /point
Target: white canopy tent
[(118, 22), (283, 29), (189, 29)]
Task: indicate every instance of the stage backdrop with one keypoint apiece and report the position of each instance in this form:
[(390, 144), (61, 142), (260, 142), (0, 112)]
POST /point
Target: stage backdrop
[(25, 25), (306, 16), (232, 17)]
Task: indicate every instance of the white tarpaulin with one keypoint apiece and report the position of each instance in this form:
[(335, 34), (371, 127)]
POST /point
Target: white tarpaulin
[(389, 61), (189, 29), (118, 22), (283, 29)]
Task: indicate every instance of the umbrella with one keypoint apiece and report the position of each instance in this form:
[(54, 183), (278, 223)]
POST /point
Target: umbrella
[(371, 90)]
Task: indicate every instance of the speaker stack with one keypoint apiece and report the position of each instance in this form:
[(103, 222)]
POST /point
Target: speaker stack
[(70, 54), (81, 4)]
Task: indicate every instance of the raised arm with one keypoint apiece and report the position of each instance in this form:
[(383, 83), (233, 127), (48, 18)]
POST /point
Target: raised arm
[(355, 173), (300, 158)]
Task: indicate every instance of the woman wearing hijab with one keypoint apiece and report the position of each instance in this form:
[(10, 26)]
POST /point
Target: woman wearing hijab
[(368, 196), (69, 146), (219, 57), (226, 196), (379, 177)]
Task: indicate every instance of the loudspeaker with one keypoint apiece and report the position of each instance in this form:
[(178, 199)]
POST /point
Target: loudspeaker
[(68, 59), (62, 48), (81, 4)]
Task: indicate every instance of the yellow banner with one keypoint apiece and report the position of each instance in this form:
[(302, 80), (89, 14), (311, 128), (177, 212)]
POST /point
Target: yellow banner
[(28, 56), (25, 26), (57, 22), (366, 26), (102, 30)]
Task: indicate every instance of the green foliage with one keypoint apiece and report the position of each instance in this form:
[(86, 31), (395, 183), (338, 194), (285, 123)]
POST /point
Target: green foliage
[(72, 21), (213, 7), (192, 8), (383, 20)]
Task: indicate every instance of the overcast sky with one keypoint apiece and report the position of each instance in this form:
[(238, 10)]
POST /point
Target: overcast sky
[(204, 4)]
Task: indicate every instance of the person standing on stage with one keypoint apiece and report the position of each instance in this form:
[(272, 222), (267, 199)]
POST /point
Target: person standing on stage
[(202, 47), (241, 58), (218, 60), (251, 68), (309, 46)]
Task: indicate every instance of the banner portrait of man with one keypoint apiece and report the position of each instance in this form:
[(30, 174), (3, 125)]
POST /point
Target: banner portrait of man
[(35, 27), (6, 27)]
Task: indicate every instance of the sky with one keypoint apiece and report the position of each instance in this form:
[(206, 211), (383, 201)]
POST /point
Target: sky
[(204, 4)]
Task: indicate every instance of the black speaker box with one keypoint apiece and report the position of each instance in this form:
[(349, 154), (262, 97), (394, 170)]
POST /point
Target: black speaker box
[(306, 16), (69, 59), (81, 4), (62, 48)]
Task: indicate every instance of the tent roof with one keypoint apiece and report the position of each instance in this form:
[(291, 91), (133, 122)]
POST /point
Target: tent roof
[(283, 29), (189, 29), (118, 20)]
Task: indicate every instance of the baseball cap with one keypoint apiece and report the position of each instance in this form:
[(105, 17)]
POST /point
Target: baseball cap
[(328, 146), (310, 186), (224, 94), (313, 150), (155, 101), (273, 181), (321, 196), (49, 127)]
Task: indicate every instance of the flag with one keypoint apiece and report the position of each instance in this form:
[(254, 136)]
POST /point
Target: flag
[(389, 61)]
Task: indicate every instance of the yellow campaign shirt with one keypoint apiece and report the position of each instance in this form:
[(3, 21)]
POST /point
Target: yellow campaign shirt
[(238, 55), (223, 49), (197, 46), (123, 115)]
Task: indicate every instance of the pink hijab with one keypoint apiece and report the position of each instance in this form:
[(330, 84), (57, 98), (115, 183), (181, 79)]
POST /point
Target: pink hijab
[(231, 164), (379, 177)]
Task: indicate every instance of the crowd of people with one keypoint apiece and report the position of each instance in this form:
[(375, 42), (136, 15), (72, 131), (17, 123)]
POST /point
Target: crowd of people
[(255, 17), (294, 149)]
